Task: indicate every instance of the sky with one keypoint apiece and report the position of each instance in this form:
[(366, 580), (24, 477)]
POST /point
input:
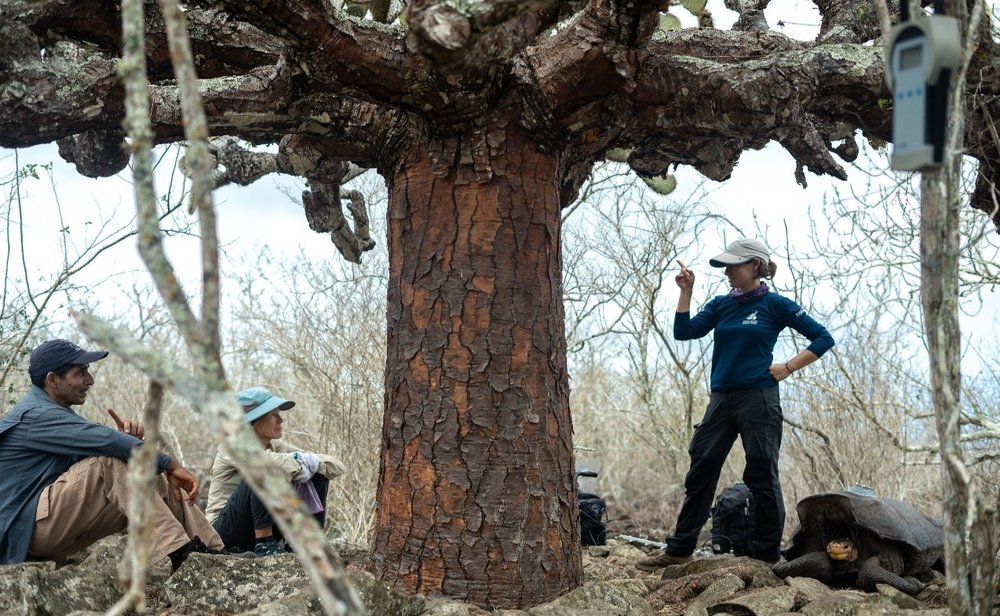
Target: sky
[(263, 218)]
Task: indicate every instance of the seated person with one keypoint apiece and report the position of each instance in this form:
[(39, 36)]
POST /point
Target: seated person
[(236, 512), (63, 485)]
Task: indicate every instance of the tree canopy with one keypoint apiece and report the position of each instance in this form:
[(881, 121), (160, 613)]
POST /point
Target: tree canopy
[(580, 78)]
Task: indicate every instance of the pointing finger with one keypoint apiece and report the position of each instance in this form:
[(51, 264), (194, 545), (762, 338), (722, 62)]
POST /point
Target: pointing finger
[(118, 420)]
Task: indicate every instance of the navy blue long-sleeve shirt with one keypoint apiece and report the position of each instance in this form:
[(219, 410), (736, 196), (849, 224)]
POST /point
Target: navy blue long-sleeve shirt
[(39, 441), (745, 335)]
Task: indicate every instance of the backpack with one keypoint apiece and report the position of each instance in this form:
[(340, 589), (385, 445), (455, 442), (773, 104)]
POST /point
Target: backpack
[(733, 521), (593, 529)]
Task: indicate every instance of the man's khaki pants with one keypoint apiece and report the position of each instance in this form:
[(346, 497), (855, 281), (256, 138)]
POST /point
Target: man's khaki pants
[(90, 501)]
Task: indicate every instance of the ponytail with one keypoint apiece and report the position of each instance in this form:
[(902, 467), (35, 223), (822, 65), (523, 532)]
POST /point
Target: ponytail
[(771, 268), (765, 270)]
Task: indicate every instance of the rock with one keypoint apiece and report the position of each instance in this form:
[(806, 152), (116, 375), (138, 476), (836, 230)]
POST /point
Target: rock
[(766, 602), (898, 597), (382, 601), (718, 591), (836, 603), (275, 586), (19, 586), (608, 598), (230, 585), (43, 589), (303, 602), (600, 570), (611, 562), (623, 555), (683, 583), (881, 609), (755, 573), (446, 607), (220, 585), (598, 551), (808, 589)]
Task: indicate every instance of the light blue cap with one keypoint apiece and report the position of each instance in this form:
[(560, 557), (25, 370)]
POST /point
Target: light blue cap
[(259, 401)]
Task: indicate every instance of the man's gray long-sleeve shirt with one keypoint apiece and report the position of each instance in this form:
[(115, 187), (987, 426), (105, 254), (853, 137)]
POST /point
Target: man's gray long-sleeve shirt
[(39, 441)]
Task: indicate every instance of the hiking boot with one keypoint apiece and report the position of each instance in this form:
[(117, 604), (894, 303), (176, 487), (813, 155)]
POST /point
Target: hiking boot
[(660, 561), (178, 556), (268, 546)]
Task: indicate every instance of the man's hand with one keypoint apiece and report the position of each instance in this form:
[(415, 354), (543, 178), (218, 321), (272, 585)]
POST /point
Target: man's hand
[(127, 425), (180, 479)]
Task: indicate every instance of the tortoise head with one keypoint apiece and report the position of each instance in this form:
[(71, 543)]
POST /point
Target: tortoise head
[(842, 550)]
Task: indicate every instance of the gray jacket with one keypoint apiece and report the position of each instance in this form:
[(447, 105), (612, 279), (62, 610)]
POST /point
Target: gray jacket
[(39, 441)]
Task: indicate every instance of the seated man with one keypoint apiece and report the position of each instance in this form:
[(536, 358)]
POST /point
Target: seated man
[(237, 514), (63, 484)]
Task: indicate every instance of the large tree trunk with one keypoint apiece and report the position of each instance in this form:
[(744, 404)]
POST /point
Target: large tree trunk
[(476, 372)]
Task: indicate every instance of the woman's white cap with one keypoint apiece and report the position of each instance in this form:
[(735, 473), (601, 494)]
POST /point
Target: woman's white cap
[(741, 251)]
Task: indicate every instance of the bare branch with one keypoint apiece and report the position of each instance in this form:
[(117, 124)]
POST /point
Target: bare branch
[(133, 69), (141, 490), (208, 343)]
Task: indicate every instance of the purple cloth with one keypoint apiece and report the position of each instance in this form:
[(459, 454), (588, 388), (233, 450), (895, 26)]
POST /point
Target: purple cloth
[(749, 296), (307, 492)]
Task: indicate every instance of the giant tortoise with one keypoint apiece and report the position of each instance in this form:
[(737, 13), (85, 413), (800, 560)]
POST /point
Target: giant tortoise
[(858, 539)]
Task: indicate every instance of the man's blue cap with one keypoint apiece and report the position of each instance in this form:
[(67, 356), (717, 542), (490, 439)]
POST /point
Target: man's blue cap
[(52, 355), (259, 401)]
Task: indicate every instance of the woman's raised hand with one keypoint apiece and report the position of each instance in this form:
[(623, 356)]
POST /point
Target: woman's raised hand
[(685, 279)]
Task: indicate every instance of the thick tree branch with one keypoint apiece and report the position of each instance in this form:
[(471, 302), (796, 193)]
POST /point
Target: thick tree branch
[(699, 111), (751, 15), (851, 21), (595, 55), (326, 176), (68, 91), (96, 154), (336, 48), (481, 40), (222, 45)]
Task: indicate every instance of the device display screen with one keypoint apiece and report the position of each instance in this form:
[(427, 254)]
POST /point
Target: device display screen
[(910, 57)]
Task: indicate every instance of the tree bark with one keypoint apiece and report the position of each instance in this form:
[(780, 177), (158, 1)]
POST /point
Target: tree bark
[(477, 478)]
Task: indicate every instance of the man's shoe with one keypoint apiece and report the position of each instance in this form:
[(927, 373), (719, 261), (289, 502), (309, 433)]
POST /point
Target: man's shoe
[(660, 561), (178, 556), (268, 546)]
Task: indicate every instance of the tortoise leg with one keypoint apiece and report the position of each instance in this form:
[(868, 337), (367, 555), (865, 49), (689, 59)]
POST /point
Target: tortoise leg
[(872, 573), (814, 565)]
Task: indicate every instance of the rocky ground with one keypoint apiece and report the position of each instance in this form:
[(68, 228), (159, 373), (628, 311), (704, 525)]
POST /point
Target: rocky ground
[(277, 586)]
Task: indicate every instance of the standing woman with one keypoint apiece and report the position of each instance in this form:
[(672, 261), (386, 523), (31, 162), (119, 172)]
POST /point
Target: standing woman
[(744, 401)]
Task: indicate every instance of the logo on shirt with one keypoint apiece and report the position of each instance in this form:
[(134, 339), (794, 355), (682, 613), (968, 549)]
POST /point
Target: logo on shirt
[(750, 319)]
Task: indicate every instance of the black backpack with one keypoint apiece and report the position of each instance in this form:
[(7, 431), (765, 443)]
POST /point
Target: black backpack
[(733, 521), (593, 528)]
